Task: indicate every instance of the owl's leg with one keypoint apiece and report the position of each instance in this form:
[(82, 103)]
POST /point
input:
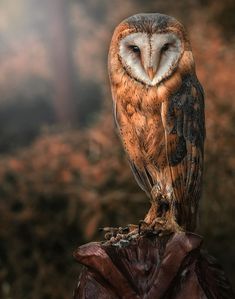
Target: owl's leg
[(161, 216), (160, 220)]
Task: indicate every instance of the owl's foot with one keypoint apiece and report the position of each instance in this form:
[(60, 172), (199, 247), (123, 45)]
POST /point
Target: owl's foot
[(121, 236)]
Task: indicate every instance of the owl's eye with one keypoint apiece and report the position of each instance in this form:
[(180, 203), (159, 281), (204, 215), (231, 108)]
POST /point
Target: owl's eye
[(134, 49), (165, 47)]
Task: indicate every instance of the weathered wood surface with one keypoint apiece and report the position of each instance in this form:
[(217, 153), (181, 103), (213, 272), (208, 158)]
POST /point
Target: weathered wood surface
[(172, 267)]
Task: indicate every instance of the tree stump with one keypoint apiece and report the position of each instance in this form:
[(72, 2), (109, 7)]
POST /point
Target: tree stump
[(150, 267)]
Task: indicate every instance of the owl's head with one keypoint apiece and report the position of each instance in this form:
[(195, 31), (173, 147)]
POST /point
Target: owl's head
[(149, 47)]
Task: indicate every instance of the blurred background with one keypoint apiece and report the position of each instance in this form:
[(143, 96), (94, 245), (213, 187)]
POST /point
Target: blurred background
[(63, 172)]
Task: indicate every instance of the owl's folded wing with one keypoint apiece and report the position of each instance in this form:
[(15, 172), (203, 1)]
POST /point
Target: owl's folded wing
[(183, 121)]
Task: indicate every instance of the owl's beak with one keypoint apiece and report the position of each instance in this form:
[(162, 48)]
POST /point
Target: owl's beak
[(150, 72)]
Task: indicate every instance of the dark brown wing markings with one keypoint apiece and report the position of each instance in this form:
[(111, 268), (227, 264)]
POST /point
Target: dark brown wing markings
[(185, 125)]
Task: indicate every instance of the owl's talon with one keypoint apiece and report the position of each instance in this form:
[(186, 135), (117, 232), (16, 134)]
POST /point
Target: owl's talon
[(141, 222)]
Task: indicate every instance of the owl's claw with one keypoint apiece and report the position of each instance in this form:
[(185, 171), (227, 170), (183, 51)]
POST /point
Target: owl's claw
[(159, 226)]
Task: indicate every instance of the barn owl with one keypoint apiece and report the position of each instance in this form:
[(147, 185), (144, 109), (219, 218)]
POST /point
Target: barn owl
[(159, 112)]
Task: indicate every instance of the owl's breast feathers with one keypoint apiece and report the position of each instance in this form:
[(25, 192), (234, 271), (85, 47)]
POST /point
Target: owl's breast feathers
[(162, 129)]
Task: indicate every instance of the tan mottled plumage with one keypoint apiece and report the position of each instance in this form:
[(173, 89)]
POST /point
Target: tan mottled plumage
[(161, 125)]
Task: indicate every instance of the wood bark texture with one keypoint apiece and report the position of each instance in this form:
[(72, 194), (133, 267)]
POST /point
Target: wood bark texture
[(167, 267)]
